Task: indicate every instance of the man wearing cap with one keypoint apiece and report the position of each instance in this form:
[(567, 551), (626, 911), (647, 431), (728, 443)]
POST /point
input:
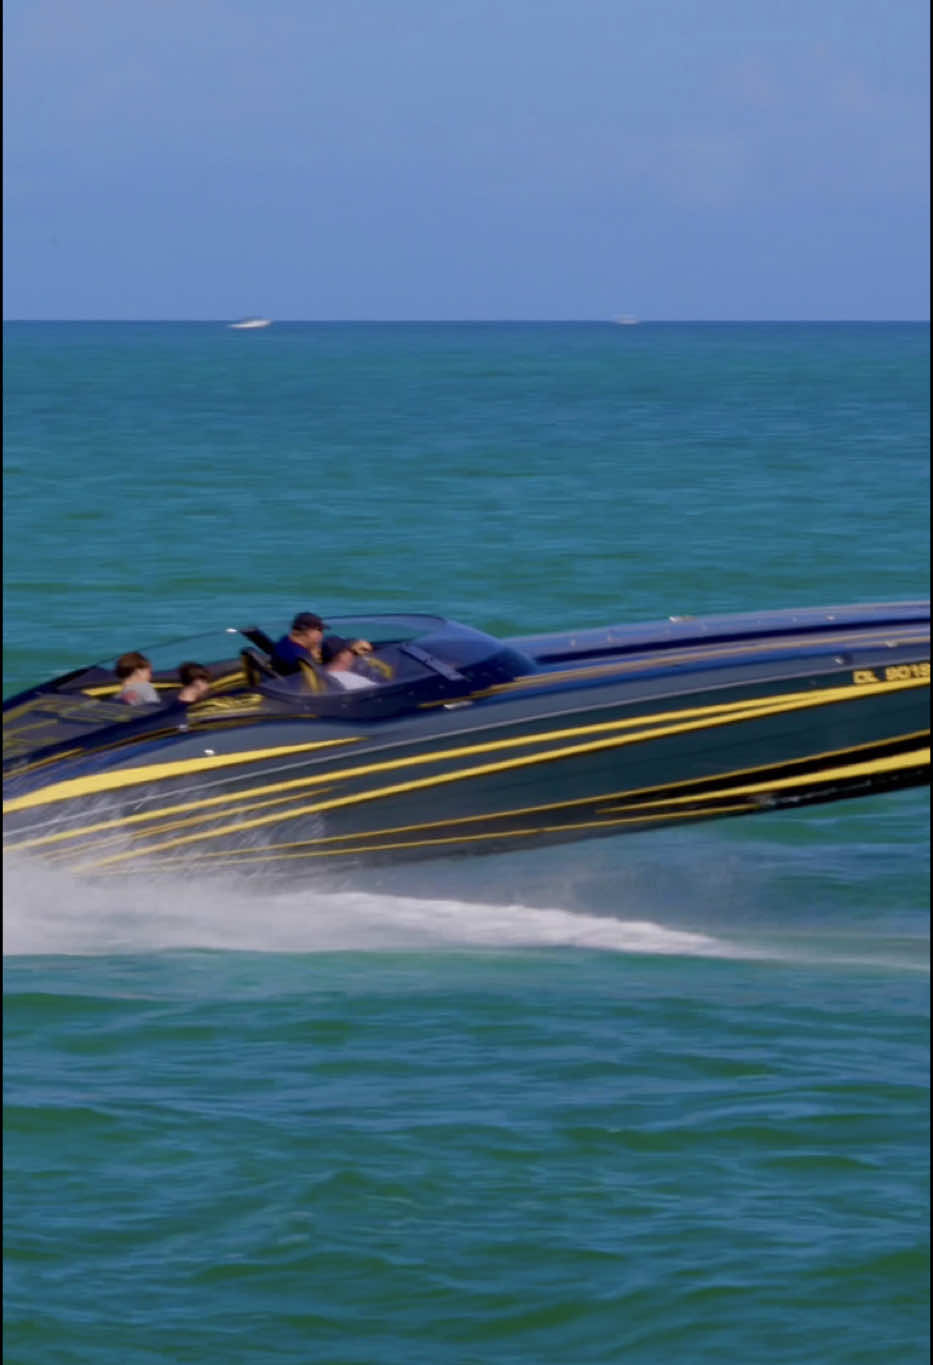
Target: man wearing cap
[(302, 644)]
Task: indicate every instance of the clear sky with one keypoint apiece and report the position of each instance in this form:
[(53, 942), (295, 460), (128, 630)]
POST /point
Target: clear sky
[(461, 159)]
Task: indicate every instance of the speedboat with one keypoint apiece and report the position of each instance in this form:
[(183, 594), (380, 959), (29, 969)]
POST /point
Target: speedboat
[(249, 324), (466, 743)]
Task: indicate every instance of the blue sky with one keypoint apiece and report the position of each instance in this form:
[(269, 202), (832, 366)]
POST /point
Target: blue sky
[(459, 159)]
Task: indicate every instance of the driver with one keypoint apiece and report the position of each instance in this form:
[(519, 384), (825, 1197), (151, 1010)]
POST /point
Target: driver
[(302, 644)]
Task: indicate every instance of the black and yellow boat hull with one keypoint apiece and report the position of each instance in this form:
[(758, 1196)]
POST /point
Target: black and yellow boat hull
[(599, 741)]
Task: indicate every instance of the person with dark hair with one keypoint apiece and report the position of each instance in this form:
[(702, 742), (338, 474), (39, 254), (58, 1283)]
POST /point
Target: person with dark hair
[(195, 683), (337, 656), (135, 673), (302, 644)]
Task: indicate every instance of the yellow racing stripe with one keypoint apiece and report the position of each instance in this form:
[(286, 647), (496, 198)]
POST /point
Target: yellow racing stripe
[(441, 779), (262, 855), (51, 793), (120, 823), (723, 712), (157, 772), (916, 758), (708, 801)]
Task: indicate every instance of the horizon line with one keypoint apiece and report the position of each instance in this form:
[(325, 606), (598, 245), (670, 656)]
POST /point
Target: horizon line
[(621, 320)]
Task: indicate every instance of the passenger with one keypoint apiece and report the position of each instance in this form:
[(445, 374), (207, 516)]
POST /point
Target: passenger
[(195, 683), (302, 644), (135, 673), (338, 655)]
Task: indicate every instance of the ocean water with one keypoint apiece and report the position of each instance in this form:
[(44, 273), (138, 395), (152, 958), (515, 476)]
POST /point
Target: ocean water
[(660, 1098)]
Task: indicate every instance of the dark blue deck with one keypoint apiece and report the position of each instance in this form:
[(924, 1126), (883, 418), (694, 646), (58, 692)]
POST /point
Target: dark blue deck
[(687, 631)]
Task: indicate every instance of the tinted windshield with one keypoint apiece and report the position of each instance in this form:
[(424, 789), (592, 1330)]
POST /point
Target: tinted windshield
[(427, 643), (226, 644)]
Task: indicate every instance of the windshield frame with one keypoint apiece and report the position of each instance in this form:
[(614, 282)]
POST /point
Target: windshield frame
[(383, 628)]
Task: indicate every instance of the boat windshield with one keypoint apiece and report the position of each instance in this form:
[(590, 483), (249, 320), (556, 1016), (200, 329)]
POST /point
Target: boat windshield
[(416, 660), (217, 646)]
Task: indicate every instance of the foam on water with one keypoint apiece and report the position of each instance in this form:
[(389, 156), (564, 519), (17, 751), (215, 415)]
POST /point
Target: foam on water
[(47, 911)]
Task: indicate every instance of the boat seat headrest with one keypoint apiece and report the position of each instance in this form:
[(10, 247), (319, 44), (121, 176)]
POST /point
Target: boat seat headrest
[(316, 680), (256, 667)]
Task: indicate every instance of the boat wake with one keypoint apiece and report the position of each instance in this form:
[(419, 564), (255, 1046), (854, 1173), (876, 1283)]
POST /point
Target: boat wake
[(47, 912)]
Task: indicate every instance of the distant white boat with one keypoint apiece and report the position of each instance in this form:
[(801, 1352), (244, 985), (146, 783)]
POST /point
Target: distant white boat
[(626, 320), (250, 324)]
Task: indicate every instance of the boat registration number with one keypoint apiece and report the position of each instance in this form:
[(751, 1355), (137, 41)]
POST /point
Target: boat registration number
[(892, 673)]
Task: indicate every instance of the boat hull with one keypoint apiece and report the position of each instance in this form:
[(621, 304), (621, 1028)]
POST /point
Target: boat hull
[(638, 741)]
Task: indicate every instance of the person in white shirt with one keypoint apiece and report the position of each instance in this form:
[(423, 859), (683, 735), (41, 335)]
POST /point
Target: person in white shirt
[(337, 656)]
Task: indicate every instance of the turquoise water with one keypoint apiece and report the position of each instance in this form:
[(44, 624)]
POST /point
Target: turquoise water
[(662, 1098)]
